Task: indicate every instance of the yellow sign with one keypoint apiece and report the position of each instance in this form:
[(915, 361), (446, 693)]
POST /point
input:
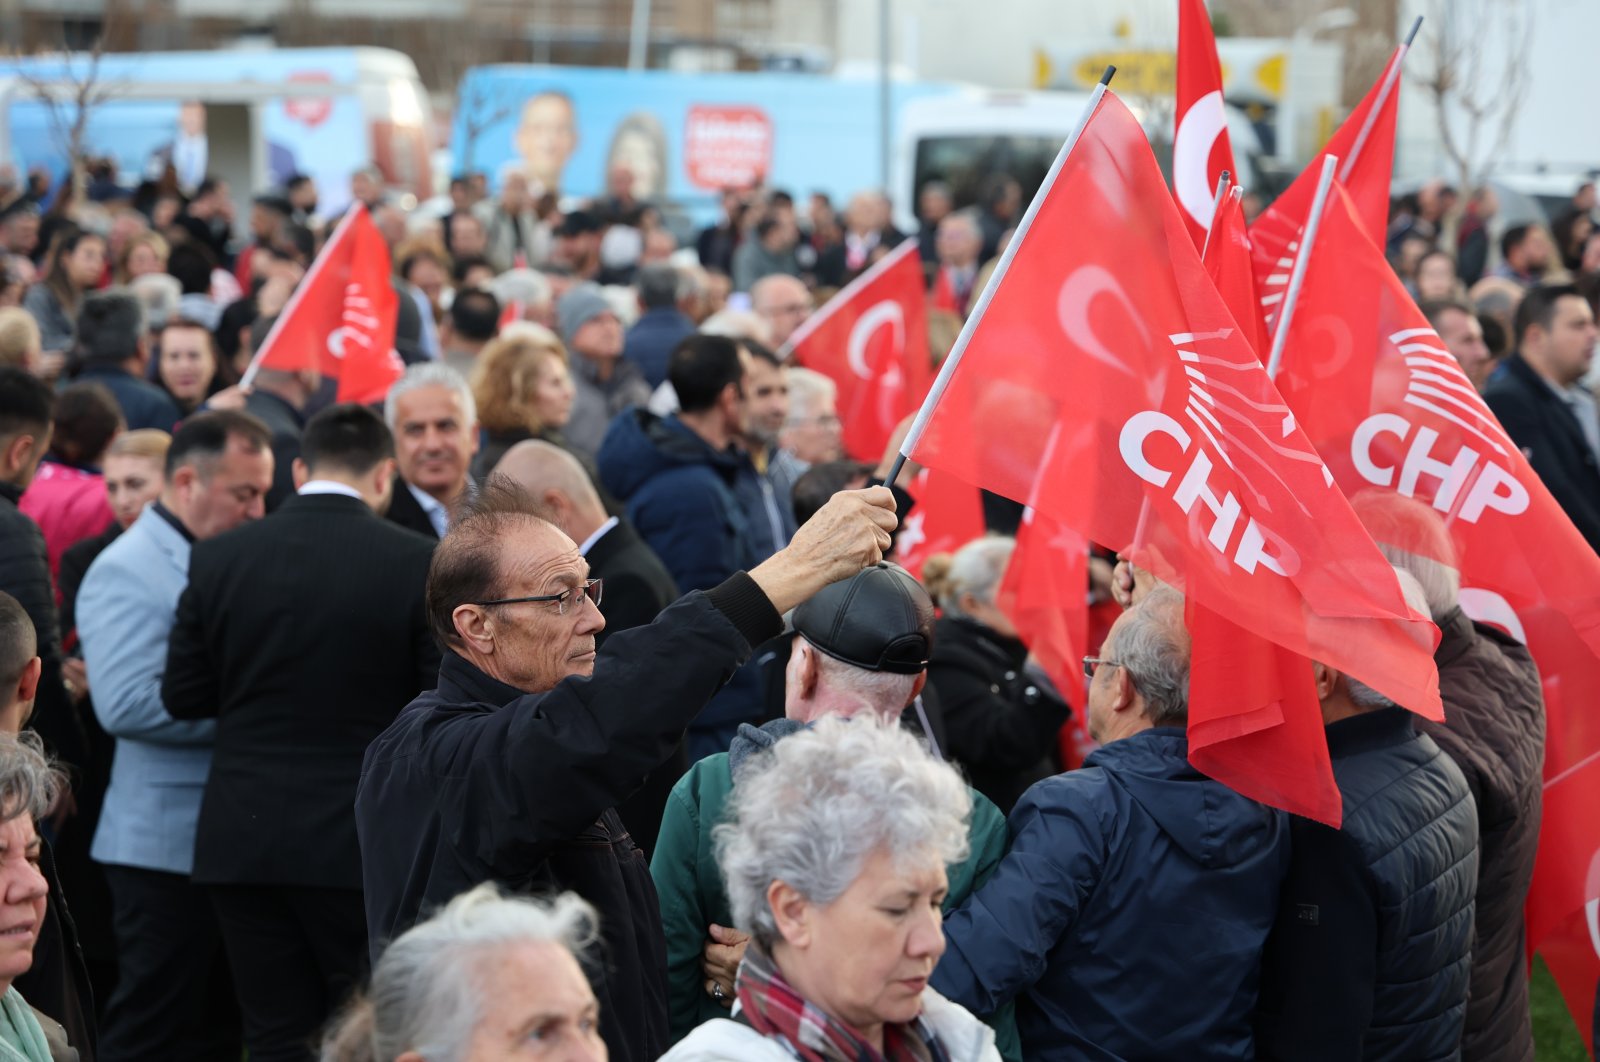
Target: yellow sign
[(1269, 76), (1139, 73)]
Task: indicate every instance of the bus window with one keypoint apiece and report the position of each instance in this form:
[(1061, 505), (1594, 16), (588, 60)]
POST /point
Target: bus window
[(965, 162)]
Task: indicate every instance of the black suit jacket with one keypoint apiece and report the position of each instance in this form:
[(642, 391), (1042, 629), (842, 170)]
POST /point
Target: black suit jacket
[(405, 511), (637, 587), (304, 634), (287, 425), (1540, 423)]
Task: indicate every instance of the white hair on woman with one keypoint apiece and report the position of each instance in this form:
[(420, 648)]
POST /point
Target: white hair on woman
[(975, 569), (426, 988), (811, 811), (808, 389), (527, 286), (738, 324)]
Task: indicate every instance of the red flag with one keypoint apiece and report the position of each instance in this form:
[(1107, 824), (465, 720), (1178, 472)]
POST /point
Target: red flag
[(1105, 376), (1201, 149), (341, 319), (1392, 411), (1227, 261), (948, 514), (871, 339), (1364, 145), (1045, 594)]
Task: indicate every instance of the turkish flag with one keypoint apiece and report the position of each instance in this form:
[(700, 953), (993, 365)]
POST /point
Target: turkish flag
[(1364, 145), (1045, 594), (1227, 262), (341, 319), (1391, 411), (871, 340), (948, 514), (1106, 381), (1201, 149)]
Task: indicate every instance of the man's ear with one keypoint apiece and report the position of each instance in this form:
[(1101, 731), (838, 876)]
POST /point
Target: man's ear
[(474, 627), (916, 686), (300, 473), (1126, 696), (808, 668), (28, 685), (383, 477), (16, 452), (1325, 677)]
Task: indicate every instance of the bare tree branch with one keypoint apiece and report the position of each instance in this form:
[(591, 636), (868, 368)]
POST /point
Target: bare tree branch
[(1476, 90)]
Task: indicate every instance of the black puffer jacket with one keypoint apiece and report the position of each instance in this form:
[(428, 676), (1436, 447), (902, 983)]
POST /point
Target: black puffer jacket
[(999, 720), (1494, 730)]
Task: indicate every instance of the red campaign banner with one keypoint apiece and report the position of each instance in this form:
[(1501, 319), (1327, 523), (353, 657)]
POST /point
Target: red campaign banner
[(340, 321), (1104, 379), (727, 147), (1227, 262), (1201, 149), (1393, 413), (1364, 145), (871, 340), (1045, 594), (947, 515)]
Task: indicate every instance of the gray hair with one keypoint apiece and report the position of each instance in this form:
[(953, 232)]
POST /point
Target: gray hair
[(1152, 645), (427, 987), (527, 286), (160, 294), (1362, 695), (975, 569), (814, 808), (429, 374), (888, 692), (658, 285), (807, 390), (30, 782)]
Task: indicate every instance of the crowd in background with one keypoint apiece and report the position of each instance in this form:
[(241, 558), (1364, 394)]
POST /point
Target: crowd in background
[(250, 811)]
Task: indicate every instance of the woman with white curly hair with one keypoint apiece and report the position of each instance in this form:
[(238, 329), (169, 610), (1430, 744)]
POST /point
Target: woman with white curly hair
[(835, 858), (487, 979)]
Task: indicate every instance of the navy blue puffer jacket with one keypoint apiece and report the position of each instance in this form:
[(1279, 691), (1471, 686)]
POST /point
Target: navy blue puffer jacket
[(1128, 918)]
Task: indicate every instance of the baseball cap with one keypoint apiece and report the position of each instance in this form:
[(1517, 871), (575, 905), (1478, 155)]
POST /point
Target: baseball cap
[(880, 619)]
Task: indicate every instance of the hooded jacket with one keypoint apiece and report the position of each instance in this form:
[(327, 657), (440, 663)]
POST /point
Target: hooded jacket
[(680, 497), (1128, 918), (693, 894)]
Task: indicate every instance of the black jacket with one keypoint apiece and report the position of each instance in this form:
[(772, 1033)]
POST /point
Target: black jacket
[(1369, 958), (143, 404), (479, 781), (304, 634), (1494, 730), (287, 425), (637, 588), (407, 512), (1000, 722), (1541, 424)]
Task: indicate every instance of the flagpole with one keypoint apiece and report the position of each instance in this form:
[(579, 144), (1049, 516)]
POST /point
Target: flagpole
[(300, 289), (1280, 332), (947, 370), (1224, 179), (1390, 77)]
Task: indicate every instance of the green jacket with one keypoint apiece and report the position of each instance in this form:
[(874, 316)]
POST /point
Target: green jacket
[(693, 897)]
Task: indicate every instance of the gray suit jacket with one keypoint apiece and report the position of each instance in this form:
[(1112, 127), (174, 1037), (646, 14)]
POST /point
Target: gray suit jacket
[(126, 609)]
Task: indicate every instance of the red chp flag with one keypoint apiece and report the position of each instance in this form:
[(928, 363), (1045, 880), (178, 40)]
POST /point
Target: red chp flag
[(947, 515), (1364, 145), (871, 340), (341, 319), (1201, 149), (1392, 412), (1227, 262), (1105, 377)]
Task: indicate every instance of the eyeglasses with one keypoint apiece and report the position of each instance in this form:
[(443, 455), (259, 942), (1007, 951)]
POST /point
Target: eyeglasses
[(1090, 663), (590, 589)]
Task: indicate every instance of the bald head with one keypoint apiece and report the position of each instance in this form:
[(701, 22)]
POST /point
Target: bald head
[(553, 478), (783, 302)]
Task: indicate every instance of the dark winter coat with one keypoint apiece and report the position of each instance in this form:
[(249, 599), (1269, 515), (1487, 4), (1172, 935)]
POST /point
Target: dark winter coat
[(1371, 952), (1127, 920)]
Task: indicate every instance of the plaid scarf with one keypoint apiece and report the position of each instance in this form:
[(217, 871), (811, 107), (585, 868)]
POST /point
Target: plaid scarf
[(772, 1008)]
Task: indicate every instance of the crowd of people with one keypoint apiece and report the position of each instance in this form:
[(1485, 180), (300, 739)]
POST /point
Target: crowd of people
[(569, 703)]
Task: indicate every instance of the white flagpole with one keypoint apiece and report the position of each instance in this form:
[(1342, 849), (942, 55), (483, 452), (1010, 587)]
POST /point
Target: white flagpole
[(299, 290), (1391, 77), (1224, 179), (1280, 333), (947, 370)]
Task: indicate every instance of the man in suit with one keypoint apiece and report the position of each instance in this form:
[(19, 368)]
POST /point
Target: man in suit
[(296, 702), (434, 419), (279, 398), (637, 587), (1544, 407), (173, 999)]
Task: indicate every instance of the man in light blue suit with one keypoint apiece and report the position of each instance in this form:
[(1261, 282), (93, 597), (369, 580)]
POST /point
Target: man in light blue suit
[(169, 951)]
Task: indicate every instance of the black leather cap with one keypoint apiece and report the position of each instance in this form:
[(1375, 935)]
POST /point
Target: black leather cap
[(880, 619)]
